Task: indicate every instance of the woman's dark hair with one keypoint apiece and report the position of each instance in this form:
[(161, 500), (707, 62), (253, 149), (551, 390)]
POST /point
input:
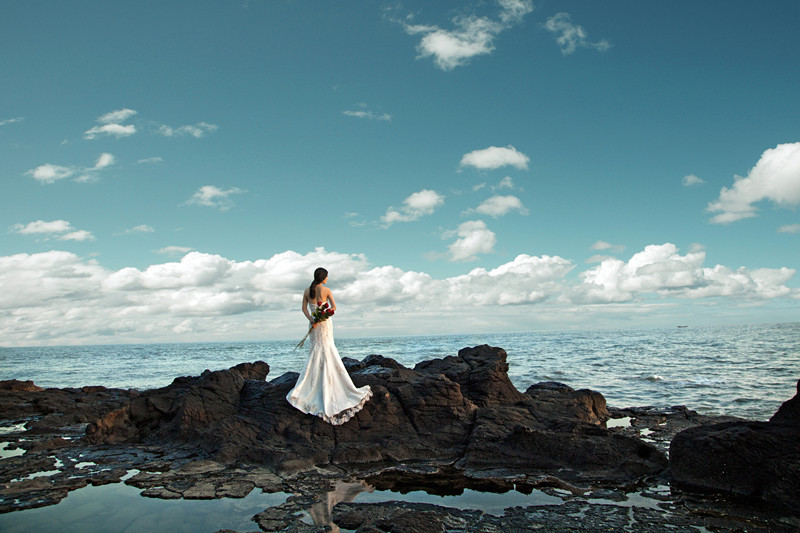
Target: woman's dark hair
[(319, 276)]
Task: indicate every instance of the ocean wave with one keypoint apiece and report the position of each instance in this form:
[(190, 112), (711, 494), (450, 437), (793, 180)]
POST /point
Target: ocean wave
[(704, 382)]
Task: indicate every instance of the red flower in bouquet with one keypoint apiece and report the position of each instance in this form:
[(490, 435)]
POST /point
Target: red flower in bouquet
[(322, 313)]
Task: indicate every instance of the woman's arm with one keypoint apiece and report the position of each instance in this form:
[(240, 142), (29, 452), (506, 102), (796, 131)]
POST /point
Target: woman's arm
[(304, 307), (330, 299)]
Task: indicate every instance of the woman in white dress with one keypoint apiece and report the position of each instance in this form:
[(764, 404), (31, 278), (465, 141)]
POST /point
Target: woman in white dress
[(324, 387)]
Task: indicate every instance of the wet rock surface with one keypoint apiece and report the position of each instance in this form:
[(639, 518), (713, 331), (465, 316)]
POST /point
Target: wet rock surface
[(447, 426)]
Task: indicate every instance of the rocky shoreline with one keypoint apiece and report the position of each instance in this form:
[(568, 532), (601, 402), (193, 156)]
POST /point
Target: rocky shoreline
[(446, 426)]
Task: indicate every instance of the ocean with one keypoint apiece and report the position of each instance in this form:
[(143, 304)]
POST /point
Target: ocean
[(745, 371)]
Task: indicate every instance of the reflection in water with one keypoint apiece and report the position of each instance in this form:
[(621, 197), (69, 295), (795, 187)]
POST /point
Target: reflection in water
[(459, 497), (120, 507), (321, 511)]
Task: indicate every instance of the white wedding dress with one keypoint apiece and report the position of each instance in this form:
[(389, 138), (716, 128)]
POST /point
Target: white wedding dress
[(324, 387)]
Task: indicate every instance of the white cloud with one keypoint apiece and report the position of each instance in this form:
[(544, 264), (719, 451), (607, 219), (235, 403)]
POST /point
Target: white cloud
[(526, 279), (115, 117), (471, 36), (42, 287), (660, 269), (212, 196), (57, 297), (89, 175), (364, 112), (498, 206), (599, 258), (414, 207), (79, 235), (495, 157), (55, 229), (474, 238), (368, 115), (149, 160), (603, 245), (197, 130), (514, 10), (11, 121), (571, 36), (115, 130), (789, 228), (111, 125), (142, 228), (174, 250), (48, 173), (691, 180), (775, 177), (42, 227), (103, 161), (506, 183)]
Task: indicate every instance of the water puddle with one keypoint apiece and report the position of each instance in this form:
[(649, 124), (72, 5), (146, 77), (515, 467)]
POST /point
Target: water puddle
[(639, 499), (488, 502), (623, 422), (44, 473), (446, 489), (120, 507), (10, 429), (6, 452)]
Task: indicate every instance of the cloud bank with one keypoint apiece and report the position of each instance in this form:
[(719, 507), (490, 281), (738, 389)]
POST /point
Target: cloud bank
[(58, 297)]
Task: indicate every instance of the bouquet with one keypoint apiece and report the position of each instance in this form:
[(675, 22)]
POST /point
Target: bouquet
[(320, 314)]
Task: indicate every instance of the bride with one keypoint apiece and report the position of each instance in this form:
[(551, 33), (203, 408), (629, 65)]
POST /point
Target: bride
[(324, 387)]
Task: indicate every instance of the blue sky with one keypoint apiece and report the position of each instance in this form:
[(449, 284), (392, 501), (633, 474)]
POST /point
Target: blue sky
[(174, 171)]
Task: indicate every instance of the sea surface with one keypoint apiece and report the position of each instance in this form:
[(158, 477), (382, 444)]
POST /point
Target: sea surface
[(746, 370)]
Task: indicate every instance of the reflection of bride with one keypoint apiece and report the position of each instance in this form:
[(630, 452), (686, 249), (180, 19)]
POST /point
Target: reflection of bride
[(342, 492), (324, 387)]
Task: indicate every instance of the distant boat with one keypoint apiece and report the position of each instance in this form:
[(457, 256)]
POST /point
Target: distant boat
[(683, 326)]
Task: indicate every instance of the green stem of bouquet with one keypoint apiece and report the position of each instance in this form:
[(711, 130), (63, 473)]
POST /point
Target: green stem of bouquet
[(300, 344)]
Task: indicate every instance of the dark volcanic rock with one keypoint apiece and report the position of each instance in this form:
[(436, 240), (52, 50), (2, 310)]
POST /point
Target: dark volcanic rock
[(788, 414), (462, 409), (559, 400), (481, 373), (16, 385), (753, 459), (191, 409), (51, 410)]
